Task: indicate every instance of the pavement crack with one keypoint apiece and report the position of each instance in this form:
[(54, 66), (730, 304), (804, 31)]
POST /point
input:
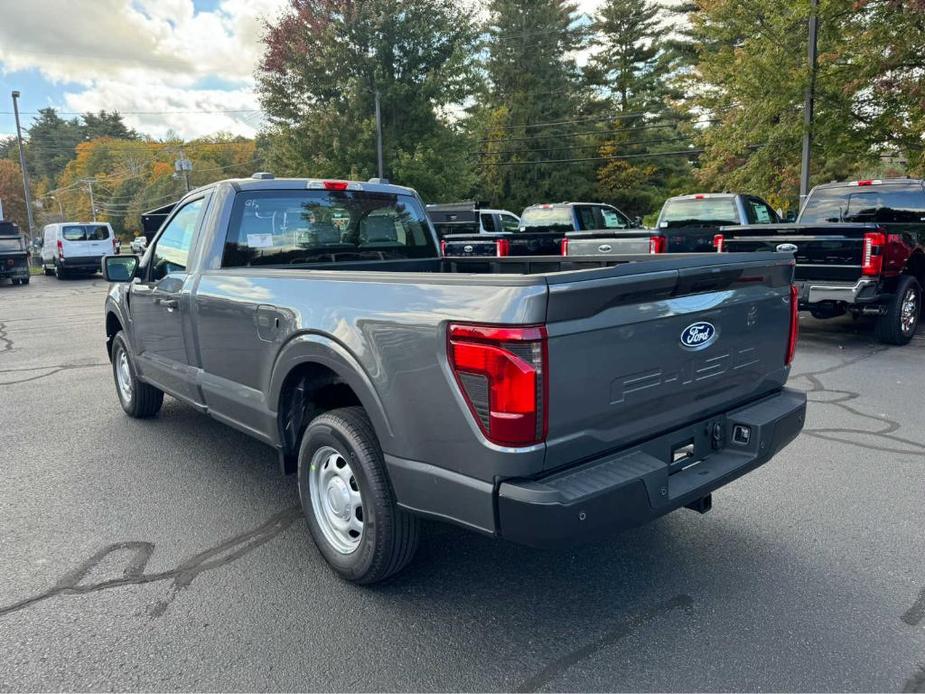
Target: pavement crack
[(915, 614), (886, 428), (183, 575), (623, 629), (6, 344), (51, 371)]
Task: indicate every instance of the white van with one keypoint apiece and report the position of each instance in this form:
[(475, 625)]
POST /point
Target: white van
[(76, 247)]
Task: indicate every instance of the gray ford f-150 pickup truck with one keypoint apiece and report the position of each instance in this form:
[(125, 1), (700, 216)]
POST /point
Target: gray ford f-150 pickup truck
[(542, 400)]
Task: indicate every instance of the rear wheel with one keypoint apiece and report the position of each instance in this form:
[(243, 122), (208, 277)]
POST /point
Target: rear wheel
[(47, 270), (901, 319), (59, 272), (138, 399), (348, 501)]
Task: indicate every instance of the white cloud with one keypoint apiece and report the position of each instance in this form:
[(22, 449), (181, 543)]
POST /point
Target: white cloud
[(147, 55)]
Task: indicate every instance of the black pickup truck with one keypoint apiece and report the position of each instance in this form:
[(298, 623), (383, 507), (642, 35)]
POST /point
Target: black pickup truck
[(14, 255), (858, 248), (542, 230)]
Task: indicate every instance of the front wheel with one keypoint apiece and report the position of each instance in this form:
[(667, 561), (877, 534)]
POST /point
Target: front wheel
[(899, 322), (138, 399), (348, 501)]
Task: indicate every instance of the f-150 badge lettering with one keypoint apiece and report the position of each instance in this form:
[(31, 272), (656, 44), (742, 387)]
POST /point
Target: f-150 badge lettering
[(698, 335)]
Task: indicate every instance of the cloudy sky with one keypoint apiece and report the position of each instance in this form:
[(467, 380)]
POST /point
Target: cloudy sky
[(191, 62)]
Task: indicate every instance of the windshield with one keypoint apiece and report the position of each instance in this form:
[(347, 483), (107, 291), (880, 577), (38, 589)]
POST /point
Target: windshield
[(86, 232), (546, 218), (291, 227), (877, 203), (10, 244), (696, 211)]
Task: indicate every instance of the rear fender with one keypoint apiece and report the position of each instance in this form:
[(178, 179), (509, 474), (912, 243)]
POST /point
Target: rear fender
[(313, 348)]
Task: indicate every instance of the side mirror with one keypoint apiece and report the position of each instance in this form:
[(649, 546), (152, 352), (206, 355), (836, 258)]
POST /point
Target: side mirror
[(790, 217), (120, 268), (637, 221)]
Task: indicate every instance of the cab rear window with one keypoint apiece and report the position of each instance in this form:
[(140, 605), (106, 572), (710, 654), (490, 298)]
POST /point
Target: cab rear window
[(320, 226), (879, 203), (546, 217), (699, 211), (85, 232)]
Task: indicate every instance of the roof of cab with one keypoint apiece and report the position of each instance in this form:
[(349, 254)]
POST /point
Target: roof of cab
[(252, 183), (871, 182)]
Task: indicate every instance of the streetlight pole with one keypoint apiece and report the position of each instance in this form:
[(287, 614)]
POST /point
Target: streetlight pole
[(22, 164), (808, 101)]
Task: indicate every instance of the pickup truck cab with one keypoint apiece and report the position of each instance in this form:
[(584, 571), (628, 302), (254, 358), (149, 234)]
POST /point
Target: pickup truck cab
[(14, 254), (470, 218), (690, 223), (541, 231), (545, 401), (859, 249)]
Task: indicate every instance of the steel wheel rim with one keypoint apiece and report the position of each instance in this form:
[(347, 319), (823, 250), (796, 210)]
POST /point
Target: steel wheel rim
[(336, 500), (909, 311), (124, 376)]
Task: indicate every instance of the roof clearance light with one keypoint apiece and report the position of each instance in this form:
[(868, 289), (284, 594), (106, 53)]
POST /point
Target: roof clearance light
[(870, 182)]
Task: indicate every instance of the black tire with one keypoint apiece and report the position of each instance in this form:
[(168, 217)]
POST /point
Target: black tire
[(390, 535), (893, 327), (144, 400), (59, 272), (48, 271), (24, 280)]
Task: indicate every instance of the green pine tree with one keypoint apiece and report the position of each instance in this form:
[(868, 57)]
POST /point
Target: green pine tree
[(527, 118)]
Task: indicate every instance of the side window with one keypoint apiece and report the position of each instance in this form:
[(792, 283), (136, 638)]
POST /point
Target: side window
[(759, 212), (172, 250), (613, 219), (586, 217), (488, 222), (509, 222)]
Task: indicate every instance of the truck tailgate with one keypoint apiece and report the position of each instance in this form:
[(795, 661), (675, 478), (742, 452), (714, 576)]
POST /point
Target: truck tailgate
[(823, 252), (470, 245), (598, 243), (636, 351)]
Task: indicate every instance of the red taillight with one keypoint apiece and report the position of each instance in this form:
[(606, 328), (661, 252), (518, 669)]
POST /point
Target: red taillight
[(335, 185), (657, 244), (718, 241), (563, 247), (115, 244), (501, 373), (60, 249), (794, 324), (504, 247), (699, 197), (442, 247), (872, 259)]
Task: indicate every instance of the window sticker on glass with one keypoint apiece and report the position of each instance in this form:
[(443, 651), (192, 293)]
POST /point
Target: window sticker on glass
[(761, 214), (260, 240)]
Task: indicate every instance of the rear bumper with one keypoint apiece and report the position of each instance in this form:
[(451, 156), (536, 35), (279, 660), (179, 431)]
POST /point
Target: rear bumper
[(630, 488), (861, 292), (19, 270), (90, 263)]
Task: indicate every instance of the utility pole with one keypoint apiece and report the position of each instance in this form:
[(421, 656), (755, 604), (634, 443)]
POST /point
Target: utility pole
[(808, 102), (379, 136), (22, 164), (184, 166), (89, 182)]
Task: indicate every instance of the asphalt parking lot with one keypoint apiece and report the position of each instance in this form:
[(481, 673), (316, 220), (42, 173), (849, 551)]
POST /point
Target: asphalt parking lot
[(170, 555)]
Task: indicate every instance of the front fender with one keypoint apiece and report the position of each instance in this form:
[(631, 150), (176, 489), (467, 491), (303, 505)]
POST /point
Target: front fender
[(314, 348)]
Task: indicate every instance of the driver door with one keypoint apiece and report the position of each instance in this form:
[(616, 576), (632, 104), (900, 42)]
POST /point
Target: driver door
[(159, 305)]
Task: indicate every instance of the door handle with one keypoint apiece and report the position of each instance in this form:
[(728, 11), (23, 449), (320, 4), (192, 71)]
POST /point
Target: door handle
[(169, 304)]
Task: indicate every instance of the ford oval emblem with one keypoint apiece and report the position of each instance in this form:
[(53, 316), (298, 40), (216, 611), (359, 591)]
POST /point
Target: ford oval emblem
[(786, 248), (698, 335), (605, 248), (467, 249)]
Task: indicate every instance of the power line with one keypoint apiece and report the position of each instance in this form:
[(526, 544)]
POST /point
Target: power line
[(596, 145), (559, 136), (680, 153), (138, 113)]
